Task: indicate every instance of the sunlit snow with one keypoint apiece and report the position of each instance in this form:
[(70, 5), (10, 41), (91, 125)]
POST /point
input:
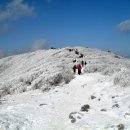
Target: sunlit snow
[(39, 91)]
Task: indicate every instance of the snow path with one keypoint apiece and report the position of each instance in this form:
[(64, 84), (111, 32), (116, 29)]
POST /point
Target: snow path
[(50, 110)]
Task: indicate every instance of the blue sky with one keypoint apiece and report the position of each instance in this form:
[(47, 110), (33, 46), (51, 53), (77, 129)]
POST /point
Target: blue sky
[(35, 24)]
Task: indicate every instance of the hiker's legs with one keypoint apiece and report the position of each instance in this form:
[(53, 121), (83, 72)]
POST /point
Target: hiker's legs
[(79, 72)]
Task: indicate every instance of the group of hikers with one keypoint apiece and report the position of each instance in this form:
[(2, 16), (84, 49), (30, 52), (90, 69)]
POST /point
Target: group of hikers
[(78, 67), (77, 52)]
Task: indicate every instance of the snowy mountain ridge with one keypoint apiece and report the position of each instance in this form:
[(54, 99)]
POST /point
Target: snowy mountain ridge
[(39, 69), (91, 101)]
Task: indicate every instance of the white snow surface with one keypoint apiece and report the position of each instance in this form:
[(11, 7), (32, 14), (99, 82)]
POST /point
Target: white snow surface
[(39, 91)]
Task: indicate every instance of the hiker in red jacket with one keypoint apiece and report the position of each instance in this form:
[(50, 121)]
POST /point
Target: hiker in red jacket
[(79, 68)]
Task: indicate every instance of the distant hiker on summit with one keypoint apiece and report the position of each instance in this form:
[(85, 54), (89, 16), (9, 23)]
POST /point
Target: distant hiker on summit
[(79, 68), (76, 52)]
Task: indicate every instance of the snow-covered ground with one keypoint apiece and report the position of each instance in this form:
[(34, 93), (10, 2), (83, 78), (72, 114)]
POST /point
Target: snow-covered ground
[(36, 93)]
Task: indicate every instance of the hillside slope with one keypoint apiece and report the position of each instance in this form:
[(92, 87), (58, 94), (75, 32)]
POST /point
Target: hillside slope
[(40, 69)]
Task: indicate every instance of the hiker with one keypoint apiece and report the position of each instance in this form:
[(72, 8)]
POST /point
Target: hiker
[(70, 50), (82, 63), (79, 68), (74, 60), (81, 55), (76, 52), (74, 68), (53, 48)]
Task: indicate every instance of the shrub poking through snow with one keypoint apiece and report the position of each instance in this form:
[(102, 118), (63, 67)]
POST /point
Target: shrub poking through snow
[(85, 108), (103, 110), (116, 56), (92, 97), (120, 127), (95, 68), (122, 78), (108, 71), (71, 117), (115, 105), (75, 116)]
